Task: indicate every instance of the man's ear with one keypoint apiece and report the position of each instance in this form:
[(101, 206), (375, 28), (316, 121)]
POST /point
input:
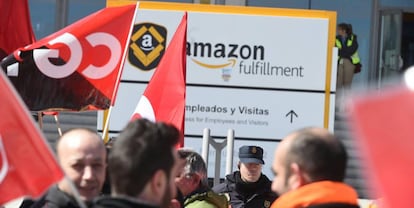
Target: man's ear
[(195, 180), (297, 178), (159, 183)]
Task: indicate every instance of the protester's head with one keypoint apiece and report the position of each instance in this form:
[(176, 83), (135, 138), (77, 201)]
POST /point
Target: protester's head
[(344, 29), (82, 156), (143, 162), (194, 174), (251, 161), (306, 156)]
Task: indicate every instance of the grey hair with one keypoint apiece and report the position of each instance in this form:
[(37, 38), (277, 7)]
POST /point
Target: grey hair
[(194, 164)]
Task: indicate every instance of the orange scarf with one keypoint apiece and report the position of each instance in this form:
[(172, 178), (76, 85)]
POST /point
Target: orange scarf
[(317, 193)]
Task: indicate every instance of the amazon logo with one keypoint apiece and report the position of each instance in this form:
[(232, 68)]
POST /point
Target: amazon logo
[(147, 45), (229, 53)]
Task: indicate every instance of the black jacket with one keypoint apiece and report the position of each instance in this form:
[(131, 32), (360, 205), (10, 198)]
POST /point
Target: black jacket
[(54, 198), (247, 195), (347, 51), (119, 202)]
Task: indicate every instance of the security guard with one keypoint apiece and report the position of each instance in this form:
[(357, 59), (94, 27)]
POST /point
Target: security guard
[(248, 187), (348, 59)]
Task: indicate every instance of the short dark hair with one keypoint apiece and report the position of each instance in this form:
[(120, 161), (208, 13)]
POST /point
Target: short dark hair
[(141, 149), (194, 164), (320, 155), (347, 27)]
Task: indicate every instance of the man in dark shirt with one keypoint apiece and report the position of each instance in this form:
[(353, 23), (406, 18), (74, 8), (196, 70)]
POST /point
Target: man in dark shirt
[(142, 167), (82, 156)]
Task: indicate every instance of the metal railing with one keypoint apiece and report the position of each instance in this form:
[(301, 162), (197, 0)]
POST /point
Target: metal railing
[(218, 147)]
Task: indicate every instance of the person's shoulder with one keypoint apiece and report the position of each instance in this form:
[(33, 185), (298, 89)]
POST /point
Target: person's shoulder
[(101, 202), (119, 202), (266, 181), (335, 205), (270, 196), (198, 204), (220, 188), (267, 188), (219, 200), (229, 184), (207, 200), (53, 198), (355, 37)]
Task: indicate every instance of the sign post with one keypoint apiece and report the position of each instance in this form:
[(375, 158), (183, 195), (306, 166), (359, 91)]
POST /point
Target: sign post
[(263, 72)]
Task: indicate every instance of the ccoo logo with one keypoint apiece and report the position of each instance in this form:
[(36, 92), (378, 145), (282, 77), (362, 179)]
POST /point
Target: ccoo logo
[(42, 57), (147, 45)]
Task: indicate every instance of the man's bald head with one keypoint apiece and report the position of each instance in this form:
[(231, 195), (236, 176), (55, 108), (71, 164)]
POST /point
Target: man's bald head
[(318, 153), (78, 137), (82, 156)]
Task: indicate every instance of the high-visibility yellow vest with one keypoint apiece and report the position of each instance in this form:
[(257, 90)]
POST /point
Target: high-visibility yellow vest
[(355, 57)]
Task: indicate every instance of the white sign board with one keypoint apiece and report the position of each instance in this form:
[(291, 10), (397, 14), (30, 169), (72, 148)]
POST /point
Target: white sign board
[(262, 72)]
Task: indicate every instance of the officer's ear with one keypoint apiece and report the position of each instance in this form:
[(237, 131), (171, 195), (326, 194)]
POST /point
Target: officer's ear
[(238, 165)]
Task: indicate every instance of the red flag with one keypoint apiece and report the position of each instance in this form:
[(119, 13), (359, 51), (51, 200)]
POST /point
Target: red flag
[(383, 125), (76, 68), (164, 97), (15, 27), (27, 166)]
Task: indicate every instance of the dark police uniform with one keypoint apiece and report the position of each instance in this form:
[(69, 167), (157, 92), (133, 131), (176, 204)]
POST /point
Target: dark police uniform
[(242, 194), (247, 195)]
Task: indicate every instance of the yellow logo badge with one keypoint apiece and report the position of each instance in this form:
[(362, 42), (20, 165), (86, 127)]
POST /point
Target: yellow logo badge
[(254, 150), (147, 45), (266, 204)]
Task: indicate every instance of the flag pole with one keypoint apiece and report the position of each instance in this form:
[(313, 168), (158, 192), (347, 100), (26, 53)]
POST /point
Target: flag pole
[(105, 131), (105, 136), (40, 119), (58, 124), (75, 193)]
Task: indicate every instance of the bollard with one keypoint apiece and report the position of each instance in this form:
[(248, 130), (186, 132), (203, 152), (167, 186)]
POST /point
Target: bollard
[(230, 150), (218, 147), (206, 145)]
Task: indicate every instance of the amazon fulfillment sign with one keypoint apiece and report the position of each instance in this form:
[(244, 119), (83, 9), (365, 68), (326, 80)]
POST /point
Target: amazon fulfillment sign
[(262, 72)]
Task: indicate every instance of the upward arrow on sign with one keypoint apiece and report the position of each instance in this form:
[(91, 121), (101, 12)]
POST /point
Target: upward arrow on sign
[(292, 114)]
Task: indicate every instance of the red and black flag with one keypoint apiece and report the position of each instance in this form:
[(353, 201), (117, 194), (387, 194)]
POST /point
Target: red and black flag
[(76, 68), (15, 27)]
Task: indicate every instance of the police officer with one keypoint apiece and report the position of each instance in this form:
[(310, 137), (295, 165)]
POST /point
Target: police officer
[(248, 187)]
